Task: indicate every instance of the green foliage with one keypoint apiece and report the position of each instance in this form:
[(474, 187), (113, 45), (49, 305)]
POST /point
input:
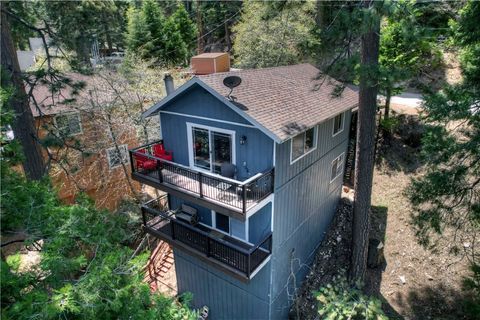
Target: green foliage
[(14, 261), (471, 285), (274, 34), (404, 50), (390, 124), (168, 41), (186, 28), (20, 32), (448, 194), (78, 23), (339, 301), (467, 37), (86, 270)]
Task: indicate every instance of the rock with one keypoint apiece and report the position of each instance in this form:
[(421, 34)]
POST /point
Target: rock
[(429, 277), (403, 279), (375, 256), (466, 244)]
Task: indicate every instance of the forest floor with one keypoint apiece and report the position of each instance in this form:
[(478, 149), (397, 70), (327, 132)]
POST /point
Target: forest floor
[(413, 283)]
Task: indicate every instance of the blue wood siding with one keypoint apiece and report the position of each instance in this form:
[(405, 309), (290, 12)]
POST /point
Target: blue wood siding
[(251, 158), (199, 102), (284, 171), (259, 225), (304, 205), (226, 297), (237, 228)]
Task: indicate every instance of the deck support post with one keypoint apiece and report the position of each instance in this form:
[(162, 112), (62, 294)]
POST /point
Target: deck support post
[(208, 247), (200, 188), (244, 199), (249, 263), (159, 168)]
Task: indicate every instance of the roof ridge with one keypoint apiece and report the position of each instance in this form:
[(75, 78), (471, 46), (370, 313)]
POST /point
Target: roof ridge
[(256, 70)]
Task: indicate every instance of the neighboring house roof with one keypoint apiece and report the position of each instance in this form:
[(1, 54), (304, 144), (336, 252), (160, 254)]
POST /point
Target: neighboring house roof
[(50, 104), (281, 101)]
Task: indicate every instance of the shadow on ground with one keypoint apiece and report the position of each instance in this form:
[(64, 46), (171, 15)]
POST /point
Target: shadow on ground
[(373, 279), (426, 303)]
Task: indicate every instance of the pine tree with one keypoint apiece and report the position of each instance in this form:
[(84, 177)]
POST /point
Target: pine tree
[(138, 35), (367, 105), (155, 37), (271, 34), (186, 27)]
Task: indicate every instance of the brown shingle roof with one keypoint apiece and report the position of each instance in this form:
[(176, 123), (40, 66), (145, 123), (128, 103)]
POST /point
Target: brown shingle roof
[(285, 100)]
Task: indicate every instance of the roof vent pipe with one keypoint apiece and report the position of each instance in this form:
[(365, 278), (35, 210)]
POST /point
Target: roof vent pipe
[(169, 85)]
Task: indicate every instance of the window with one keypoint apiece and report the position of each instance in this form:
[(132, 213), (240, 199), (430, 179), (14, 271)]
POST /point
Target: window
[(338, 124), (233, 227), (116, 158), (337, 167), (222, 222), (303, 144), (68, 124)]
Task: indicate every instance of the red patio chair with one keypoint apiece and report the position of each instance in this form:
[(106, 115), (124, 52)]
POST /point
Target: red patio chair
[(160, 152), (144, 162)]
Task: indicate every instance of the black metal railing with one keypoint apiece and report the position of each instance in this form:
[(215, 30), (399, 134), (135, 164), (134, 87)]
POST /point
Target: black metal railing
[(245, 259), (241, 195)]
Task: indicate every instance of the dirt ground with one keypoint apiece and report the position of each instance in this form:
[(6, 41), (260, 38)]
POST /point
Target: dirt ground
[(413, 283)]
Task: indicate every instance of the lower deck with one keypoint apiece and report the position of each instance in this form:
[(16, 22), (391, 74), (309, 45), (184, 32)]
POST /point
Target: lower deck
[(238, 258)]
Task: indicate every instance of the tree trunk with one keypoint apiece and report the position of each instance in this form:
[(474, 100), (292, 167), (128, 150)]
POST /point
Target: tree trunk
[(108, 36), (23, 125), (83, 52), (388, 98), (228, 41), (365, 149), (200, 29)]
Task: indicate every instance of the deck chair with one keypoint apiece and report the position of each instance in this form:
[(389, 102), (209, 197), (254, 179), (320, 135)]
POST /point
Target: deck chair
[(187, 214), (227, 170), (160, 152), (144, 162)]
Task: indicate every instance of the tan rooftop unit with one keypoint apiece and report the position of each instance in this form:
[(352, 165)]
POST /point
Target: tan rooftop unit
[(207, 63)]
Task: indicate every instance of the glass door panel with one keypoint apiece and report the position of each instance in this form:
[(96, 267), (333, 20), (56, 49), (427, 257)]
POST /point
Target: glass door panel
[(222, 150), (201, 148)]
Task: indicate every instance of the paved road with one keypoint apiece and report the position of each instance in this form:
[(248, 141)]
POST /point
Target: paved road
[(407, 99)]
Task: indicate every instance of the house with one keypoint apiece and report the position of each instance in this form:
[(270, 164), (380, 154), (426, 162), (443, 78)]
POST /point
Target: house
[(90, 159), (252, 175)]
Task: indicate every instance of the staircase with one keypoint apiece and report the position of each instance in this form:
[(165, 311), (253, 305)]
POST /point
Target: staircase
[(159, 264)]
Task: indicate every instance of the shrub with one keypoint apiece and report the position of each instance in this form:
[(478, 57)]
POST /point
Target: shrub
[(338, 301)]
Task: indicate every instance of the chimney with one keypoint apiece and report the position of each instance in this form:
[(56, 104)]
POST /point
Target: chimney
[(169, 86), (207, 63)]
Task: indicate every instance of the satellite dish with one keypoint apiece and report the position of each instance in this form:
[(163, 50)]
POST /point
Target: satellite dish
[(232, 81)]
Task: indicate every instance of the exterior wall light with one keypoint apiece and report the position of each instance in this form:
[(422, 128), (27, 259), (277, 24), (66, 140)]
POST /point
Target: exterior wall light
[(243, 140)]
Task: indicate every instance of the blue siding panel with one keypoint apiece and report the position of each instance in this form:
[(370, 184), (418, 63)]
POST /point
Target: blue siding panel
[(226, 297), (259, 225), (284, 171), (199, 102)]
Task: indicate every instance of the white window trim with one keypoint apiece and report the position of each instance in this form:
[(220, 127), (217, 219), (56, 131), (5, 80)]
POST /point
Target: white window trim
[(113, 148), (342, 155), (315, 140), (333, 124), (214, 227), (69, 114), (190, 125)]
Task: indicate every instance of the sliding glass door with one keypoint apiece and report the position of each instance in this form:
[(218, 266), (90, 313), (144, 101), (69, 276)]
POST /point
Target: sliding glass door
[(211, 148), (201, 148)]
